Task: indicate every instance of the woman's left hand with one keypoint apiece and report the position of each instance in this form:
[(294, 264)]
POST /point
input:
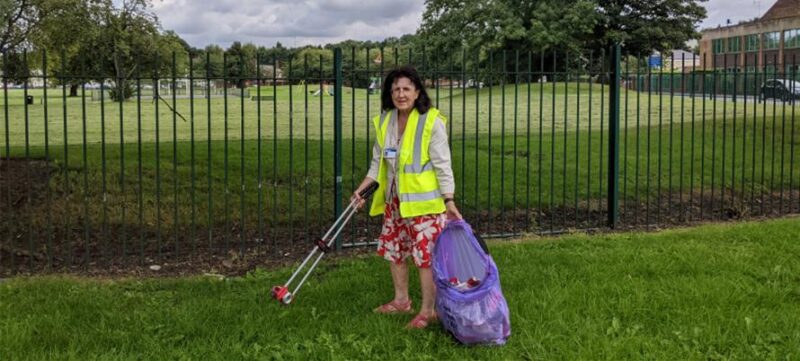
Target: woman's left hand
[(452, 212)]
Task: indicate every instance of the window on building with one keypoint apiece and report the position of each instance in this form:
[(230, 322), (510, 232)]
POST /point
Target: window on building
[(718, 46), (752, 42), (734, 44), (772, 40), (791, 39)]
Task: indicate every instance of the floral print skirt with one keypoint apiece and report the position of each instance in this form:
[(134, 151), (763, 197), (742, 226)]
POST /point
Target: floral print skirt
[(404, 237)]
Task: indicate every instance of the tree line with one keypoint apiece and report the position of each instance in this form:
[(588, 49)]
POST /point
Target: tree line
[(99, 40)]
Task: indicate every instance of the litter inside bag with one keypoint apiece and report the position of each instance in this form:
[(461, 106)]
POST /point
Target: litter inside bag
[(469, 300)]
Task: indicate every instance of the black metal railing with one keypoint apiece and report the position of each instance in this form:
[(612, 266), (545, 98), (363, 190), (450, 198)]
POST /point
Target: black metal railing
[(195, 163)]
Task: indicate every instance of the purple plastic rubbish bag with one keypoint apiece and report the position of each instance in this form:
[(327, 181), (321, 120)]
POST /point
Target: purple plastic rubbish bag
[(469, 300)]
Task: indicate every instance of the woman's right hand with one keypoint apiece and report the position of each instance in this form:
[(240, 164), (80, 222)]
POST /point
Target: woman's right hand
[(357, 200)]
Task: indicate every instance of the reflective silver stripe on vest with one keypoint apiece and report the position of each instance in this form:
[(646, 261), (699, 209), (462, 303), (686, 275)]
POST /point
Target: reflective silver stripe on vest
[(380, 121), (415, 169), (415, 166), (383, 118), (420, 197), (380, 128), (428, 166)]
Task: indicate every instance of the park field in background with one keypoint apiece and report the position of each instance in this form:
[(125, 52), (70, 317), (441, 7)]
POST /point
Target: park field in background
[(295, 112)]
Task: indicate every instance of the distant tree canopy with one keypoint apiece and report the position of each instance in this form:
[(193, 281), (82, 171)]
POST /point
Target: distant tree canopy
[(91, 40), (116, 40), (543, 25), (19, 18)]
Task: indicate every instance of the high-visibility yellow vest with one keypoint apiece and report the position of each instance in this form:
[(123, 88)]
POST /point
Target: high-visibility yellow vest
[(418, 187)]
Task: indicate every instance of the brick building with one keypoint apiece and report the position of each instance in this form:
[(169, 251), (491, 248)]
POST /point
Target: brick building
[(771, 43)]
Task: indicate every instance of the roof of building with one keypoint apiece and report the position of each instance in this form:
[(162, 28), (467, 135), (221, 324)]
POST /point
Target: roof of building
[(683, 54), (782, 9)]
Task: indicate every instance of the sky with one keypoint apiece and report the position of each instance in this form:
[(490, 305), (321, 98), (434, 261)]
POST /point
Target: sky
[(720, 11), (291, 22), (311, 22)]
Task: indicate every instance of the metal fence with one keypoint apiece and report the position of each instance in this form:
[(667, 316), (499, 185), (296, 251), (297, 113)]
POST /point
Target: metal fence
[(714, 79), (542, 142)]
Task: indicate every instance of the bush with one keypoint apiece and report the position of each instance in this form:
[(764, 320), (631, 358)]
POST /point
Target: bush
[(121, 91)]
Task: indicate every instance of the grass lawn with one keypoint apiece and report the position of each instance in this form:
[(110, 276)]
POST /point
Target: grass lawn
[(297, 113), (722, 292), (491, 174), (558, 183)]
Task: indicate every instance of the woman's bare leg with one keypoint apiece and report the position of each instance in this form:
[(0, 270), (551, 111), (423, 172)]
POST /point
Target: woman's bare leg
[(428, 291), (400, 281)]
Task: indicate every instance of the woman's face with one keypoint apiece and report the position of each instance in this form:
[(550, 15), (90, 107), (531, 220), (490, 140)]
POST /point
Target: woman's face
[(404, 94)]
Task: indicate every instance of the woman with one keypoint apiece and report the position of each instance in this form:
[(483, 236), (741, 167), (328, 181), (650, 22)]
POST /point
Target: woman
[(411, 162)]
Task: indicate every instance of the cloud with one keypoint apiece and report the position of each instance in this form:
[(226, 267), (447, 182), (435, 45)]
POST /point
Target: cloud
[(720, 11), (294, 23), (312, 22)]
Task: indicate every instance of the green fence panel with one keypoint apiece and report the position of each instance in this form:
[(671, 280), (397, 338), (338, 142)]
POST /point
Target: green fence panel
[(235, 159)]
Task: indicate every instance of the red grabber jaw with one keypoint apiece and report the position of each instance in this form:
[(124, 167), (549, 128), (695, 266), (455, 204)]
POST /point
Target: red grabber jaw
[(282, 294)]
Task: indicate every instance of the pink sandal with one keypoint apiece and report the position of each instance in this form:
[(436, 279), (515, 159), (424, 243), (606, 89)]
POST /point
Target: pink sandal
[(422, 321), (394, 307)]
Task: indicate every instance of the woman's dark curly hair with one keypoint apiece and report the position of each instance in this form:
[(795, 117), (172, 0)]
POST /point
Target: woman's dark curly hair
[(423, 102)]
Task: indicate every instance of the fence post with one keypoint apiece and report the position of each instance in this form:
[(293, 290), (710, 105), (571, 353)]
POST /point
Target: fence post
[(613, 136), (337, 136)]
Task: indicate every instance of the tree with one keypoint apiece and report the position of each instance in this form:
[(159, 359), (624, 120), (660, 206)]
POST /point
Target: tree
[(108, 40), (278, 52), (484, 28), (92, 40), (646, 25), (209, 62), (16, 67), (62, 36), (543, 25), (128, 38), (240, 63), (19, 22), (369, 60), (126, 42), (320, 62), (18, 18), (169, 44)]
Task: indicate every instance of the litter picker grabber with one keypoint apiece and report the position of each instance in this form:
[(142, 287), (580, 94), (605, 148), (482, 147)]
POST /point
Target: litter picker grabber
[(323, 245)]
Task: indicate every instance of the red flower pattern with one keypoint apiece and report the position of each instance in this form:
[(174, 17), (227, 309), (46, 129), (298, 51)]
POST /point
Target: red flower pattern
[(404, 237)]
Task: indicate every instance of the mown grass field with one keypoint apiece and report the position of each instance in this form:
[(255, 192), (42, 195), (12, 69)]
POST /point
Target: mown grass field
[(491, 173), (551, 179), (296, 113), (721, 292)]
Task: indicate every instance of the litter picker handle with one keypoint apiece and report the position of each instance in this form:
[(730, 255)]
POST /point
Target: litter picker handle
[(369, 190)]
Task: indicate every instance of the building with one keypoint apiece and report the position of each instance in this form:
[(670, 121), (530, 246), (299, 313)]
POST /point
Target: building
[(681, 60), (769, 43)]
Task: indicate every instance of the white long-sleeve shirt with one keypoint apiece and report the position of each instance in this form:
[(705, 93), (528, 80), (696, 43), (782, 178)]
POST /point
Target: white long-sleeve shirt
[(438, 151)]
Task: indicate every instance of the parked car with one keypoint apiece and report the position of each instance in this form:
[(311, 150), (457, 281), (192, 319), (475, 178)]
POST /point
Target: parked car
[(781, 89)]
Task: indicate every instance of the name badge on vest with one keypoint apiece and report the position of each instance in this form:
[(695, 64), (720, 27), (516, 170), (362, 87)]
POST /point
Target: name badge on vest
[(390, 153)]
